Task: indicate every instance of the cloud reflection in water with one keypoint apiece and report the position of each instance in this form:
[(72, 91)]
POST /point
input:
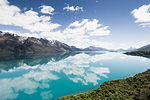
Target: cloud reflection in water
[(78, 68)]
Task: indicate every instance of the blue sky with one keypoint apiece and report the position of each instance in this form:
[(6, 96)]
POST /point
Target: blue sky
[(105, 23)]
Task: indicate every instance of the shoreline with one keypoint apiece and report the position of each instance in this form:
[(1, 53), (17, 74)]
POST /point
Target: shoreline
[(131, 88)]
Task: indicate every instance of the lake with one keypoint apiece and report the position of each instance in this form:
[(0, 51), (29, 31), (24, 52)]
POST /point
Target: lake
[(50, 76)]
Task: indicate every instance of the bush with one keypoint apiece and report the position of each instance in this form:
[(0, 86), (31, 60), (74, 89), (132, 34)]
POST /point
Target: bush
[(132, 88)]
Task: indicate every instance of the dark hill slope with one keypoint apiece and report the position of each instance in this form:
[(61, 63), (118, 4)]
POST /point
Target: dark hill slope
[(143, 51), (145, 48)]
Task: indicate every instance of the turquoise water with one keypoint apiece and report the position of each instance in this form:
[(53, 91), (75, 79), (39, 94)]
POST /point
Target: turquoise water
[(48, 77)]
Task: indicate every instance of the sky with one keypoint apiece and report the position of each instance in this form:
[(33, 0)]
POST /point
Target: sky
[(111, 24)]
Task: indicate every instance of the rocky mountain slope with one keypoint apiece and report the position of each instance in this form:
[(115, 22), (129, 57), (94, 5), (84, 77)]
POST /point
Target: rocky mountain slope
[(145, 48), (10, 43)]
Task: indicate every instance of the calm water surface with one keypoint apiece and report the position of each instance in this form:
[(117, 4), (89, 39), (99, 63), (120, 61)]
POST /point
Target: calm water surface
[(48, 77)]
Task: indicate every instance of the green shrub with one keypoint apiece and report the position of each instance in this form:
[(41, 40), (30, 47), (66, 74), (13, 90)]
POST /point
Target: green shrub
[(132, 88)]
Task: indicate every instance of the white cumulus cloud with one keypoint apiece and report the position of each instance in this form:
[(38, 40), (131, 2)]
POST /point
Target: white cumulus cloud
[(142, 15), (29, 20), (81, 33), (73, 8), (47, 10)]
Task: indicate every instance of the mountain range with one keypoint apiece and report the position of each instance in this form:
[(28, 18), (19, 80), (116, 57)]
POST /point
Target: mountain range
[(11, 43)]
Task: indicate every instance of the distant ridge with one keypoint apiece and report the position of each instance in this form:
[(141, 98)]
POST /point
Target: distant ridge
[(92, 48), (143, 51)]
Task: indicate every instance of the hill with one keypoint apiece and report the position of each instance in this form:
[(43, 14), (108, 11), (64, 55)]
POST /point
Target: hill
[(143, 51), (145, 48)]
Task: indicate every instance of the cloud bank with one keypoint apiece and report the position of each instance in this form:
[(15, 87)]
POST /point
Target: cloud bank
[(142, 15), (81, 33), (29, 20)]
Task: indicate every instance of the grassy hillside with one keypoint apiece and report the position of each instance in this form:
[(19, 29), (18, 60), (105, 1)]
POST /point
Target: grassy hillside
[(132, 88)]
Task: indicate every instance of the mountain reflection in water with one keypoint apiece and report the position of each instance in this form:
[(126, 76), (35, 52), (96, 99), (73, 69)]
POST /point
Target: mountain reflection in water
[(49, 76)]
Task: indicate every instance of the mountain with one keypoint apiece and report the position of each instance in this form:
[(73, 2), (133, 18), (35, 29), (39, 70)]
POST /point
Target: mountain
[(131, 49), (145, 48), (76, 49), (143, 51), (126, 50), (11, 43), (35, 59), (120, 50), (92, 48)]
